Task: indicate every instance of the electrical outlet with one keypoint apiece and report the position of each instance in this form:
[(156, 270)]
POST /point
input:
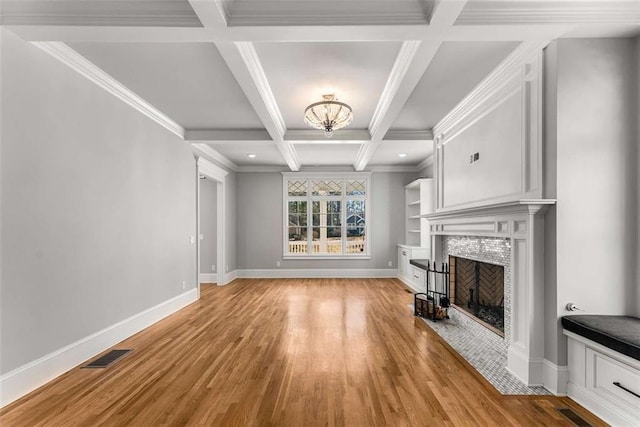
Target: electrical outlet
[(390, 264), (277, 263), (213, 268), (184, 284)]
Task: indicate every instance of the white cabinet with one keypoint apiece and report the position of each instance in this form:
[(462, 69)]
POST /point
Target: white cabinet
[(604, 381), (411, 275), (419, 201)]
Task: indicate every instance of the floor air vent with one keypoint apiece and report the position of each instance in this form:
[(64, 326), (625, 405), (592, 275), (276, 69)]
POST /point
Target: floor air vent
[(575, 418), (107, 359)]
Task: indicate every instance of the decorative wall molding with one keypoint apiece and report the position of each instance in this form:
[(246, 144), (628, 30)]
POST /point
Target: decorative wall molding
[(27, 378), (501, 75), (77, 62), (426, 162), (520, 74), (408, 135), (317, 273), (210, 170)]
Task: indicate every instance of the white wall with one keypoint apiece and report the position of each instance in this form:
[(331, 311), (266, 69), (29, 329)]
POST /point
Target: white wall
[(260, 214), (231, 218), (208, 225), (597, 210), (98, 203)]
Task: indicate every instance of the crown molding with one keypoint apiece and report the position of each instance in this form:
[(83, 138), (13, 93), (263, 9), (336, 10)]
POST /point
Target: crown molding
[(263, 168), (502, 75), (214, 156), (226, 135), (532, 12), (81, 65), (426, 162), (168, 13)]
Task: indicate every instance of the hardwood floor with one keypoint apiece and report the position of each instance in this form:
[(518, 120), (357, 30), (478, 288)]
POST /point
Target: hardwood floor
[(286, 352)]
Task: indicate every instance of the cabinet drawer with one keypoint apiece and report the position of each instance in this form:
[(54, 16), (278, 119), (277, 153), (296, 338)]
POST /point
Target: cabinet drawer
[(418, 276), (612, 378)]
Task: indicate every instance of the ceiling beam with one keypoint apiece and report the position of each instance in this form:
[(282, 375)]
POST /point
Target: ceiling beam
[(210, 12), (243, 62), (226, 135), (411, 63), (367, 33), (317, 136)]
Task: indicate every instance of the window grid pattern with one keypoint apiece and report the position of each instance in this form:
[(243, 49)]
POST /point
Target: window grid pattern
[(326, 217)]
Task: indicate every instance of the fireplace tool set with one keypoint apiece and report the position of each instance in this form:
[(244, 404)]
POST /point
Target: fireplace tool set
[(434, 302)]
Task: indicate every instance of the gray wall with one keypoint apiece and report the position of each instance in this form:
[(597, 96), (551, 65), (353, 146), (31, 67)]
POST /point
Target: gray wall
[(637, 299), (260, 222), (426, 172), (231, 189), (597, 210), (97, 206), (208, 218)]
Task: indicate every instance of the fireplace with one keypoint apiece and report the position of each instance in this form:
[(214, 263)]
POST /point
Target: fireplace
[(477, 288)]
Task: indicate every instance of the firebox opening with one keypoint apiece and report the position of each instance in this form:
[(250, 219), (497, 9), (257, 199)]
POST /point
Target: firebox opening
[(477, 288)]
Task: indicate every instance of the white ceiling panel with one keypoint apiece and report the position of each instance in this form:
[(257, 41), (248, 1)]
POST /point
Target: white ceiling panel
[(189, 82), (455, 70), (266, 153), (388, 153), (299, 73), (327, 154)]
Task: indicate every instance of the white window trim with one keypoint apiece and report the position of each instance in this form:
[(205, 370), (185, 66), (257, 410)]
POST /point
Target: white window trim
[(325, 175)]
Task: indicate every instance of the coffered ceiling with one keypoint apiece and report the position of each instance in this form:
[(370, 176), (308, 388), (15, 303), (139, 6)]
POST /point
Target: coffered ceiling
[(233, 77)]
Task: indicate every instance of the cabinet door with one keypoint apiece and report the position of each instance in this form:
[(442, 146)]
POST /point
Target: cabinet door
[(403, 261)]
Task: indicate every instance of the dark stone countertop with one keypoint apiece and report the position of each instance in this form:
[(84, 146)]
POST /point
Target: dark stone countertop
[(619, 333), (420, 263)]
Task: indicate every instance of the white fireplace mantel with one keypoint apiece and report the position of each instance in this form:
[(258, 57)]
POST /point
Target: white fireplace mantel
[(522, 222)]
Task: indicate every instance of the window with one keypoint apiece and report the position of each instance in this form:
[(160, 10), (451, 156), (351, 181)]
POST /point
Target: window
[(326, 216)]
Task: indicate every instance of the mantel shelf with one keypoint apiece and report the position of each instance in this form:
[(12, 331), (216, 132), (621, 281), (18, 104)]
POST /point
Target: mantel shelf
[(532, 206)]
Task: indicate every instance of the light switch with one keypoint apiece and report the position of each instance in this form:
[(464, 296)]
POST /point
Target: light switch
[(192, 239)]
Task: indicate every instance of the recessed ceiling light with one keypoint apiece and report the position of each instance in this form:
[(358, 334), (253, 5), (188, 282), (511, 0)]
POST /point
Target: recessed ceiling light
[(402, 155), (251, 156)]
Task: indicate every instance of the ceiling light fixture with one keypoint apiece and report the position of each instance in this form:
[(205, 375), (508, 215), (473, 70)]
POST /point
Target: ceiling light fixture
[(251, 156), (328, 114), (402, 155)]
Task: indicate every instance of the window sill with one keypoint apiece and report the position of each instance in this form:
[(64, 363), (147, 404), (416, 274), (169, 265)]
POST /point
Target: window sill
[(307, 257)]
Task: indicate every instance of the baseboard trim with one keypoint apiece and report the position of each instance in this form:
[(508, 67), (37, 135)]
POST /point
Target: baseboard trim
[(320, 273), (229, 277), (615, 415), (527, 369), (208, 277), (555, 378), (23, 380)]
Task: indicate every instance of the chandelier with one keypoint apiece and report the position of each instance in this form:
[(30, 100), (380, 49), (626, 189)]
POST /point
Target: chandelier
[(328, 115)]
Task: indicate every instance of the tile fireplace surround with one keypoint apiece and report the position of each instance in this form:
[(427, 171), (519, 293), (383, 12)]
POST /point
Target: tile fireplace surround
[(512, 235)]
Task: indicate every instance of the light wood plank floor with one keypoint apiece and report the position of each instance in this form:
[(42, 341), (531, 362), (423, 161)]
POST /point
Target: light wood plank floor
[(288, 353)]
